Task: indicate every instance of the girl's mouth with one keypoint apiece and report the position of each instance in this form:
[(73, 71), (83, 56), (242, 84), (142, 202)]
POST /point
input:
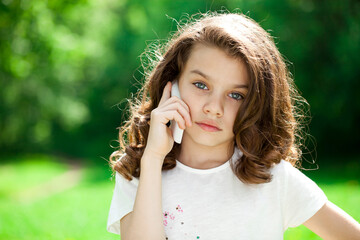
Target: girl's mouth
[(208, 128)]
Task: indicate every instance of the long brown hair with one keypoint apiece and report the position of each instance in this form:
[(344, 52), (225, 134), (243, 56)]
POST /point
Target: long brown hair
[(267, 127)]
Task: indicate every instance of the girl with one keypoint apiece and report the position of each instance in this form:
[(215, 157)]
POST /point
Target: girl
[(233, 175)]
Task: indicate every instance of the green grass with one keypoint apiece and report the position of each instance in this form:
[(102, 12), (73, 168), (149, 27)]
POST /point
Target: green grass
[(29, 210), (77, 213)]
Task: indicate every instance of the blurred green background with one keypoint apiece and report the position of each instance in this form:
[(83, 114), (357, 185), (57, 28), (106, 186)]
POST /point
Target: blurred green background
[(67, 66)]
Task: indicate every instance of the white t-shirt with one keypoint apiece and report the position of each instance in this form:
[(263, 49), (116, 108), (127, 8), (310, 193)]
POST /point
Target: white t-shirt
[(215, 204)]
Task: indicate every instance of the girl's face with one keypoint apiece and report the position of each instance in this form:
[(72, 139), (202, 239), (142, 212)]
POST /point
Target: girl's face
[(213, 85)]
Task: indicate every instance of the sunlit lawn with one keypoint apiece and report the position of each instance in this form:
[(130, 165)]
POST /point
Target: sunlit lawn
[(79, 212), (37, 201)]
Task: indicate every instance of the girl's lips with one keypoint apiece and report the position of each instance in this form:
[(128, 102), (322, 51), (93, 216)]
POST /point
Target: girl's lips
[(208, 128)]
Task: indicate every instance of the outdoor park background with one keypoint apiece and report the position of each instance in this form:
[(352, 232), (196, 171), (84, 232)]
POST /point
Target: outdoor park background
[(66, 66)]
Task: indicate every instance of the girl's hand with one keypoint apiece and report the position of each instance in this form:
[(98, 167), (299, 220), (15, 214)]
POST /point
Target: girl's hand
[(160, 139)]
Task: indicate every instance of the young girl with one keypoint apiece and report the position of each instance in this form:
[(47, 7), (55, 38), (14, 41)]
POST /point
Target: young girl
[(233, 175)]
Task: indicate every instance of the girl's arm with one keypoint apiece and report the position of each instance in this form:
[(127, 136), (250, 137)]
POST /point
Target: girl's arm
[(146, 220), (331, 222)]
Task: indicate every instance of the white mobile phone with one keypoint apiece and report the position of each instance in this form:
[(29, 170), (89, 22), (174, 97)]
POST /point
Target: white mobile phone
[(177, 132)]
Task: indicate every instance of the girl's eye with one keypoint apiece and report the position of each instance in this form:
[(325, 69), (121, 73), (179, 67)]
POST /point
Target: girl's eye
[(200, 85), (236, 96)]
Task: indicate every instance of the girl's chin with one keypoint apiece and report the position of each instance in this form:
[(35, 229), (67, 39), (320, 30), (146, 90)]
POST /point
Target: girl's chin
[(210, 141)]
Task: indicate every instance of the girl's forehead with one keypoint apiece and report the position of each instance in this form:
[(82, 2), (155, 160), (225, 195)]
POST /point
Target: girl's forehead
[(214, 64)]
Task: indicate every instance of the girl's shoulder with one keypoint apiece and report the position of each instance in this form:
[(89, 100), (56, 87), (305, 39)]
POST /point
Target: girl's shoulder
[(285, 172), (283, 165), (284, 169), (122, 181)]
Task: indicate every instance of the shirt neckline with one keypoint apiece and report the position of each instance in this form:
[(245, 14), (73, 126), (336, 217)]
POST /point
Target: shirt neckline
[(237, 153), (202, 171)]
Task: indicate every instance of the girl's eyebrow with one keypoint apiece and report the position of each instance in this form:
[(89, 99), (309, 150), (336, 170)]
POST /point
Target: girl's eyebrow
[(196, 71)]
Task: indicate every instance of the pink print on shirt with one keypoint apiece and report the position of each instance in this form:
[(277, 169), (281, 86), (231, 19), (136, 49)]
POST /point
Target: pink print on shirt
[(172, 217), (174, 221), (168, 216), (178, 208)]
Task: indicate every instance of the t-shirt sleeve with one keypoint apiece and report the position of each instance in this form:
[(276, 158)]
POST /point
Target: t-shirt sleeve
[(122, 201), (302, 196)]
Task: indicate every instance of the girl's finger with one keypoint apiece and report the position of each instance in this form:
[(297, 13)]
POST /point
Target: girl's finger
[(184, 112), (175, 115), (175, 99), (166, 93)]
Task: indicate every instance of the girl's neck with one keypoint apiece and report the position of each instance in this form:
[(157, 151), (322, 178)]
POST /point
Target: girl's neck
[(199, 156)]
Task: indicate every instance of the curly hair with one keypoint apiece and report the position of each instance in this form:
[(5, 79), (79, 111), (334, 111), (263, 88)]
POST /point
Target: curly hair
[(268, 124)]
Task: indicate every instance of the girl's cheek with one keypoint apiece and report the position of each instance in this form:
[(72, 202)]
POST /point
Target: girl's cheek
[(187, 99)]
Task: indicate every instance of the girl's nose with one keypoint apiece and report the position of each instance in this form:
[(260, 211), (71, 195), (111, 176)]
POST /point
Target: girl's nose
[(214, 106)]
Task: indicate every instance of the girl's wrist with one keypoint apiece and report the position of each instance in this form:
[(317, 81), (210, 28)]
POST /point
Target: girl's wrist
[(152, 158)]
